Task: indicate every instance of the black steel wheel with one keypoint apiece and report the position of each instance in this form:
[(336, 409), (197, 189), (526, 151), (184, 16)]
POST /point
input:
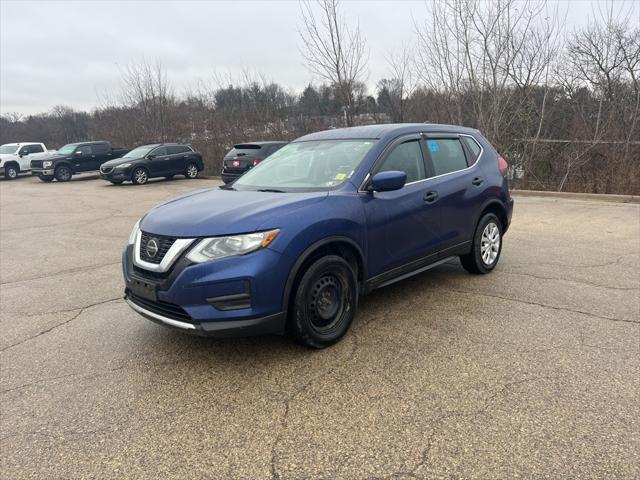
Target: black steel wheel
[(325, 302)]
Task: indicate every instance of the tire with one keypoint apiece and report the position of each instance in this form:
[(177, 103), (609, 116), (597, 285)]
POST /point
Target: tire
[(191, 171), (116, 182), (63, 173), (11, 172), (486, 248), (45, 178), (140, 176), (325, 302)]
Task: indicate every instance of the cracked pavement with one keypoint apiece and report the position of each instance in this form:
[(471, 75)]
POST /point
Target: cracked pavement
[(532, 371)]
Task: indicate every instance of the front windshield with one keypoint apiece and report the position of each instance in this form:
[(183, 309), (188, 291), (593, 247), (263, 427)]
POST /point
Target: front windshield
[(140, 151), (304, 166), (67, 149), (8, 148)]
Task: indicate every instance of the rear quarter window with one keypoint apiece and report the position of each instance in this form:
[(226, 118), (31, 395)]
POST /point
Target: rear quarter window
[(473, 147), (447, 155)]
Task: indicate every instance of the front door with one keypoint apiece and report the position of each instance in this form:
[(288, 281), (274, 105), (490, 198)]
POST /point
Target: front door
[(160, 163), (403, 224), (83, 159)]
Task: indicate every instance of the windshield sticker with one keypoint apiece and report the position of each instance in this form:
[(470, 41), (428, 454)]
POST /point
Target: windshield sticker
[(433, 146), (341, 176)]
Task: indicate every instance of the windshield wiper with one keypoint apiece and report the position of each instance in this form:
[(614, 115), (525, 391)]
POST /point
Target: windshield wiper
[(273, 190)]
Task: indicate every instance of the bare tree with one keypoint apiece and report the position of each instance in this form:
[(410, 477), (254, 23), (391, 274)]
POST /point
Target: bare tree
[(333, 51), (395, 90)]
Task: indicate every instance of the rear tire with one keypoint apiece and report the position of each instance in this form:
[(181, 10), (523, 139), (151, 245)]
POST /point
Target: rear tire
[(191, 171), (486, 248), (325, 302), (63, 173), (46, 179), (140, 176), (11, 172)]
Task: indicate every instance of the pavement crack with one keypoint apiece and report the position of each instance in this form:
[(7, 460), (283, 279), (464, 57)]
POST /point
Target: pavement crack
[(581, 282), (80, 311), (61, 272), (544, 305)]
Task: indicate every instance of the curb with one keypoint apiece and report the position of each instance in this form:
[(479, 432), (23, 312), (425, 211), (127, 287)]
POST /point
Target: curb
[(580, 196)]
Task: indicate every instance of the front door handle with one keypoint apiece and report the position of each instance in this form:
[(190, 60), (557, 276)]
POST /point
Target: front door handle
[(430, 197), (477, 181)]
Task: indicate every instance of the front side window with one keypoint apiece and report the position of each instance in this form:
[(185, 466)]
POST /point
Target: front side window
[(160, 151), (447, 155), (307, 166), (84, 150), (407, 158)]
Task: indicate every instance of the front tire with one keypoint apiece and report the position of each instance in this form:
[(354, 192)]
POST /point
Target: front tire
[(486, 248), (63, 173), (116, 182), (191, 171), (11, 172), (140, 176), (45, 178), (325, 302)]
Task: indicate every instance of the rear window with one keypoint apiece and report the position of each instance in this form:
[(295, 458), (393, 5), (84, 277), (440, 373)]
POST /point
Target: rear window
[(247, 146), (244, 150), (174, 149), (447, 155), (35, 149), (100, 148)]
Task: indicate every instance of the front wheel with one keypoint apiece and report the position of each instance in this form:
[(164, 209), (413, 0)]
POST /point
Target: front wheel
[(11, 172), (487, 246), (191, 171), (325, 302), (63, 173), (139, 176), (45, 178)]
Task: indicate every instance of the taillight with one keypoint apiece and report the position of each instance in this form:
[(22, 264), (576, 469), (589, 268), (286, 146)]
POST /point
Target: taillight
[(503, 166), (256, 161)]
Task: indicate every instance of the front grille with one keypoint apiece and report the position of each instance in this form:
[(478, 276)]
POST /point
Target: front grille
[(165, 309), (164, 244), (106, 169), (36, 163)]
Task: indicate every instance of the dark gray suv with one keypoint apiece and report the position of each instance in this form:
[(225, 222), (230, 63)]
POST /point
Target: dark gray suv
[(244, 156)]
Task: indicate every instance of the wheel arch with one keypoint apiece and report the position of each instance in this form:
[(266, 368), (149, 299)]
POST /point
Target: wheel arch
[(496, 207), (12, 163), (335, 244)]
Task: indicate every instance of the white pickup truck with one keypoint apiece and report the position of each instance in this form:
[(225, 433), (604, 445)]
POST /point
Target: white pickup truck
[(15, 158)]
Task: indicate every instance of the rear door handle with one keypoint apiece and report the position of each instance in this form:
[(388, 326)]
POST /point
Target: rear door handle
[(430, 197), (477, 181)]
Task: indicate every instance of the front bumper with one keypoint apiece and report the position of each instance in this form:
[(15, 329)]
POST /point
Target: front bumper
[(2, 171), (116, 175), (46, 172), (234, 296)]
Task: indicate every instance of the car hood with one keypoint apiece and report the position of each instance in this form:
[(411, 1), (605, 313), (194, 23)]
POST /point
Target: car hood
[(54, 156), (7, 155), (214, 212), (119, 161)]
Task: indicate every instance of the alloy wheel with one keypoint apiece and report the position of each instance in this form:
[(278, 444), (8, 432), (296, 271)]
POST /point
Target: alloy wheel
[(192, 171), (490, 243)]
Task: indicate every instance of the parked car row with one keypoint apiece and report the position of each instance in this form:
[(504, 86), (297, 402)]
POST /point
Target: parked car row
[(116, 165)]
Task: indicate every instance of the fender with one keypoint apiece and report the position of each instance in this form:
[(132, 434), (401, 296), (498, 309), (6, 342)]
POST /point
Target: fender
[(305, 255), (490, 201)]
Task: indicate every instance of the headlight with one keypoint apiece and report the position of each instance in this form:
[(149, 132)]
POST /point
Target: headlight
[(221, 247), (134, 233), (46, 164), (123, 165)]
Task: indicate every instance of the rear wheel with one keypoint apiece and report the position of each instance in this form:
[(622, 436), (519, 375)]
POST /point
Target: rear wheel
[(191, 171), (63, 173), (45, 178), (11, 172), (140, 176), (325, 302), (487, 246)]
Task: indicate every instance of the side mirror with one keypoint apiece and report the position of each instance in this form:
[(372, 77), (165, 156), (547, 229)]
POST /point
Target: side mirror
[(151, 157), (23, 153), (77, 153), (388, 181)]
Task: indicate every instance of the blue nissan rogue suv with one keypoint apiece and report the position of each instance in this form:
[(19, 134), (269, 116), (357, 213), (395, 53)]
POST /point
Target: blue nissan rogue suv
[(290, 245)]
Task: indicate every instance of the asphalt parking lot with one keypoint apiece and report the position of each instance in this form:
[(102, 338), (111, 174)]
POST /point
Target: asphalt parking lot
[(532, 371)]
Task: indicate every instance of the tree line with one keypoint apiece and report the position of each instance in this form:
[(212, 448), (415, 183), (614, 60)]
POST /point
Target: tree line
[(562, 107)]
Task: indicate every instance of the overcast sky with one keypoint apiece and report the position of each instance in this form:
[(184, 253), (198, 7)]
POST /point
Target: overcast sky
[(72, 52)]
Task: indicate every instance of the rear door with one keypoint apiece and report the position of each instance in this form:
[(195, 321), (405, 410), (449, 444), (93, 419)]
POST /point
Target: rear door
[(101, 153), (402, 224), (178, 158), (459, 184)]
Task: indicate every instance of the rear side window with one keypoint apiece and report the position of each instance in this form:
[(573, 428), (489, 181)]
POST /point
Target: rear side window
[(36, 149), (100, 148), (174, 149), (472, 146), (447, 155), (407, 158)]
